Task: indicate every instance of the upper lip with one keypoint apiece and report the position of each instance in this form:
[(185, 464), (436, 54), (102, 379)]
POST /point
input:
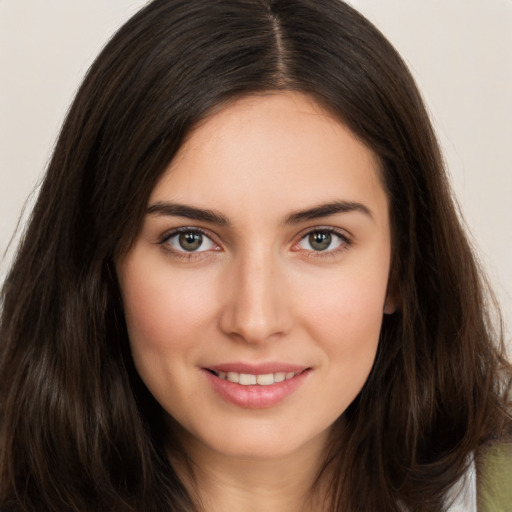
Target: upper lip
[(257, 369)]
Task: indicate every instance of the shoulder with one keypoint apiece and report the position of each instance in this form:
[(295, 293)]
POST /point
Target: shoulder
[(494, 478)]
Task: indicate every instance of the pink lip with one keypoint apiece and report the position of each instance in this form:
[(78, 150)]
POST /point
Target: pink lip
[(256, 397), (257, 369)]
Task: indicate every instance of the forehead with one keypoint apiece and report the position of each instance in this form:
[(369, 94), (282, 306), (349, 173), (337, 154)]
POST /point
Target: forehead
[(281, 150)]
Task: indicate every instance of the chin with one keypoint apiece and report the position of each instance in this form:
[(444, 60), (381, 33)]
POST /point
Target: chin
[(257, 442)]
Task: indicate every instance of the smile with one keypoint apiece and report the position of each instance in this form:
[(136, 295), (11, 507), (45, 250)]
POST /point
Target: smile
[(256, 388), (248, 379)]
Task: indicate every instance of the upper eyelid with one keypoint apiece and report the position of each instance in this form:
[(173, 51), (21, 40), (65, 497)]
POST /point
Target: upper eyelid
[(341, 236), (166, 245), (346, 243), (185, 229), (343, 233)]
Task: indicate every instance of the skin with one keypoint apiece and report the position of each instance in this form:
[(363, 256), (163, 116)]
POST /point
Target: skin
[(258, 290)]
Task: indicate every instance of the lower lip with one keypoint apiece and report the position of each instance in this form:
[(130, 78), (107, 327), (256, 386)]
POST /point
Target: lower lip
[(256, 397)]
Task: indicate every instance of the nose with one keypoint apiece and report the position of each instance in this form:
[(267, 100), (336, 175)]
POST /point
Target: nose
[(256, 308)]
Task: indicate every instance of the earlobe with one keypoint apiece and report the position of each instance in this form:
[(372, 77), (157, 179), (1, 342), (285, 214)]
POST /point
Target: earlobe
[(392, 302), (390, 305), (393, 297)]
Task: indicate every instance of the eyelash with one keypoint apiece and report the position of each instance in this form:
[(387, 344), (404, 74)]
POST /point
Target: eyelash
[(184, 255), (345, 242)]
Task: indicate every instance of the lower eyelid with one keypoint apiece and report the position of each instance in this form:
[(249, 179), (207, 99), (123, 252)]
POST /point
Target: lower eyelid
[(210, 243), (166, 238), (344, 240)]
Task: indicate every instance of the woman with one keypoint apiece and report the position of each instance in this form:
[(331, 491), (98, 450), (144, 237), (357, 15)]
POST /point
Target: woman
[(244, 283)]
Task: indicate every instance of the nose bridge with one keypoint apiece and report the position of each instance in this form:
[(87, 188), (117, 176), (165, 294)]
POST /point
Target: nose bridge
[(256, 307)]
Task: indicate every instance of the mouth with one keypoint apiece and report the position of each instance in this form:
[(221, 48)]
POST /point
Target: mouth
[(255, 379), (256, 387)]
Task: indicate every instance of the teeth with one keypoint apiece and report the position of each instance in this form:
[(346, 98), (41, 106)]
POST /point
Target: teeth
[(265, 380), (233, 377), (247, 379)]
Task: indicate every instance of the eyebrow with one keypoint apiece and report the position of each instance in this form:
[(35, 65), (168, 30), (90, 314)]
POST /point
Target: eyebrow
[(191, 212), (325, 210)]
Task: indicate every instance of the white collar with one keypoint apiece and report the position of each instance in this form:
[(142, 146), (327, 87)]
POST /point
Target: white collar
[(462, 496)]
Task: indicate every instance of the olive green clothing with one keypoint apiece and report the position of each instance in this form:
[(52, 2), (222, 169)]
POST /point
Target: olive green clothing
[(494, 480)]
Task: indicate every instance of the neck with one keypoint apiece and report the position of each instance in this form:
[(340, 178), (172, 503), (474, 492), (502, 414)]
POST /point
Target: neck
[(285, 484)]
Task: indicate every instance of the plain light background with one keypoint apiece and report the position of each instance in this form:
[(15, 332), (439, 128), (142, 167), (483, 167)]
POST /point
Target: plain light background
[(460, 52)]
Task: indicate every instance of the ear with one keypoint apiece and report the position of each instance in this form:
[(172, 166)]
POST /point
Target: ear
[(393, 301), (390, 304)]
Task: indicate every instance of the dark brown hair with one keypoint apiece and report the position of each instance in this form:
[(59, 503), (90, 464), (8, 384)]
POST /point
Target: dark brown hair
[(78, 429)]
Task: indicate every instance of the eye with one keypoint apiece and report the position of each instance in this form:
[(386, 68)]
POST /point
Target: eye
[(322, 240), (189, 241)]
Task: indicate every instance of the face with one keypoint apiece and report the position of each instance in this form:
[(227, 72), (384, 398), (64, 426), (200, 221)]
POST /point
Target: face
[(255, 291)]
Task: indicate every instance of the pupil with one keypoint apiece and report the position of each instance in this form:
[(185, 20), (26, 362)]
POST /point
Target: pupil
[(320, 241), (190, 241)]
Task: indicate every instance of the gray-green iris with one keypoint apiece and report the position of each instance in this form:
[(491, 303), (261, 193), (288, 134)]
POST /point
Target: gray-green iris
[(320, 241), (190, 241)]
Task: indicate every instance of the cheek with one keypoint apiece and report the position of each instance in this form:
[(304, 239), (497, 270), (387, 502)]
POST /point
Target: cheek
[(344, 315), (163, 309), (349, 336), (166, 312), (348, 305)]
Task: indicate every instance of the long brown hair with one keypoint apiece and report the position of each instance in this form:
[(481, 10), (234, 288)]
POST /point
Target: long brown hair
[(78, 429)]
